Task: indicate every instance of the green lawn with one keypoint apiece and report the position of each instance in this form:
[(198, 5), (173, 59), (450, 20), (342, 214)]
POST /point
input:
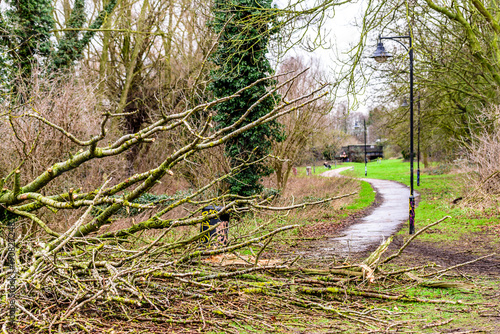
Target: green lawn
[(366, 197), (466, 230), (395, 170), (436, 195)]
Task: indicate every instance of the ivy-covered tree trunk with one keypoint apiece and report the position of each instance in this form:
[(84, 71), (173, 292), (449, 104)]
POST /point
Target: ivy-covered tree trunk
[(26, 37), (245, 29), (25, 27), (73, 43)]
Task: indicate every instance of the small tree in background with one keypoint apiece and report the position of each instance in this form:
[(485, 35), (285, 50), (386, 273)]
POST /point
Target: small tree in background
[(241, 60), (303, 127)]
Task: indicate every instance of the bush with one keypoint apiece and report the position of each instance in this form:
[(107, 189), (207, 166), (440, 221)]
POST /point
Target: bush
[(483, 161)]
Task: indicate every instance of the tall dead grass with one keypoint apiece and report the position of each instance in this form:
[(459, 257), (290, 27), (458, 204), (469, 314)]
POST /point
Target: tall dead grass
[(31, 146), (313, 188), (482, 163)]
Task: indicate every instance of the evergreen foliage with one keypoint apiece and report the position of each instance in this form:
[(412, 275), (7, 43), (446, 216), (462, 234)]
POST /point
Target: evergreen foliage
[(6, 216), (241, 60), (71, 46), (25, 37), (145, 199), (26, 34), (68, 51)]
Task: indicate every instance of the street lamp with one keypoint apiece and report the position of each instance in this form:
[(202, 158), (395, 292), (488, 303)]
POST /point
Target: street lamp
[(404, 105), (366, 168), (356, 126), (381, 55), (418, 140)]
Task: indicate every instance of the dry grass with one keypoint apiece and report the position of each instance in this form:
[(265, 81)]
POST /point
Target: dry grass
[(483, 161), (314, 188), (318, 187), (76, 106), (32, 146)]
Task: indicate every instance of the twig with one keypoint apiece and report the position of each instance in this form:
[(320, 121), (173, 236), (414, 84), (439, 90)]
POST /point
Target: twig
[(411, 239), (440, 323), (261, 250)]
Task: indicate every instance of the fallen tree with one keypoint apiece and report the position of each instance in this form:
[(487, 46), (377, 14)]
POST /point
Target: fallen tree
[(90, 282), (85, 271), (52, 259)]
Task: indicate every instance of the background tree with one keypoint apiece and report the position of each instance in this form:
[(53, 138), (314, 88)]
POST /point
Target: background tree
[(78, 33), (241, 58), (152, 51), (28, 38), (456, 67), (300, 126), (25, 34)]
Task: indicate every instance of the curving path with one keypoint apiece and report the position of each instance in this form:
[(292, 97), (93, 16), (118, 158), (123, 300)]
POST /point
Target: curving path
[(384, 221)]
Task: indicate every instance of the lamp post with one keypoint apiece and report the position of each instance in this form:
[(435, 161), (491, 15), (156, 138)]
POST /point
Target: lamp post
[(405, 104), (418, 141), (366, 168), (356, 126), (381, 55)]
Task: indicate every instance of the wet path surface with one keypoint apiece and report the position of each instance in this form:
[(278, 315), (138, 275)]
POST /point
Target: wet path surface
[(370, 231)]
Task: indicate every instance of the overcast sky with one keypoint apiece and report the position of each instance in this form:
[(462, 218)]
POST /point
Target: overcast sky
[(342, 35)]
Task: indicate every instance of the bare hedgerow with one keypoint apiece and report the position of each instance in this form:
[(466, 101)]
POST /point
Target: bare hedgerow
[(482, 165), (31, 145), (303, 126)]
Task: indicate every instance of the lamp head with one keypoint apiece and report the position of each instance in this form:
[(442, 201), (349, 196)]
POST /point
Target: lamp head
[(405, 103), (380, 55)]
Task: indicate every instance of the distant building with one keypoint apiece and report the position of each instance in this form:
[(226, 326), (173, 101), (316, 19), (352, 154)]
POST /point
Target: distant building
[(356, 153)]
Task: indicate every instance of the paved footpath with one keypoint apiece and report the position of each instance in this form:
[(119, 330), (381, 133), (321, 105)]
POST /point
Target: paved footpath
[(384, 221)]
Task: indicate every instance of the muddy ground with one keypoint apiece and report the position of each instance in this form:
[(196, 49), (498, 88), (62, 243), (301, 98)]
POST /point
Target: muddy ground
[(417, 253), (446, 255)]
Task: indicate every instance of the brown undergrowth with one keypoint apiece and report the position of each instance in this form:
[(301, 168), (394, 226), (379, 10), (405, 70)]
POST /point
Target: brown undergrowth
[(206, 296), (316, 188)]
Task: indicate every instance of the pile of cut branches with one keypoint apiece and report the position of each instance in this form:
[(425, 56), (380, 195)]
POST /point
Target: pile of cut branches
[(88, 283)]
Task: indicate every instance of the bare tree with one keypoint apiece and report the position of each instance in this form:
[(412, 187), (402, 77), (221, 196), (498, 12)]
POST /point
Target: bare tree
[(150, 52), (456, 68), (302, 124), (481, 160)]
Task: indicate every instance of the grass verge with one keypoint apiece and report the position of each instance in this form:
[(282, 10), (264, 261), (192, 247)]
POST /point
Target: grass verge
[(467, 235)]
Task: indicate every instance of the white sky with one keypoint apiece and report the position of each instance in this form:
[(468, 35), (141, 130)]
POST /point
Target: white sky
[(342, 35)]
